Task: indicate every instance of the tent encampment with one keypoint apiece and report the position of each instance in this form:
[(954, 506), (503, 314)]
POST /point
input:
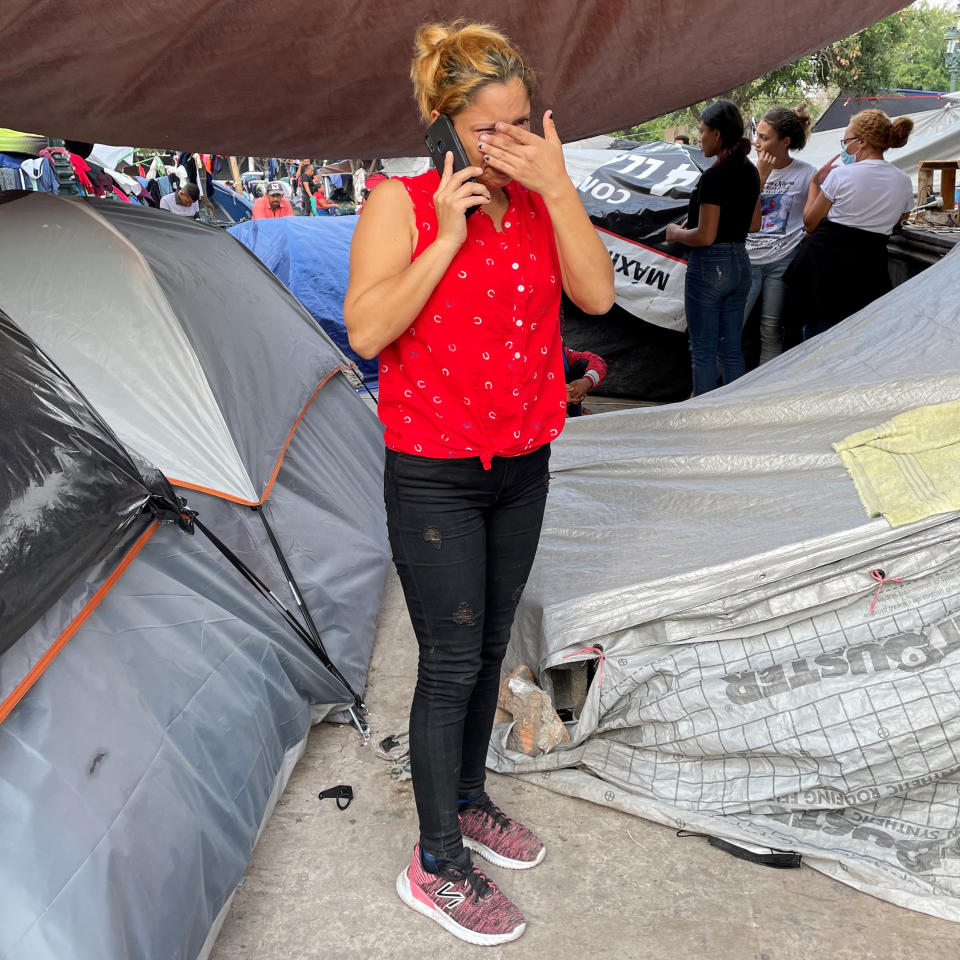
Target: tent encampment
[(773, 665), (154, 699)]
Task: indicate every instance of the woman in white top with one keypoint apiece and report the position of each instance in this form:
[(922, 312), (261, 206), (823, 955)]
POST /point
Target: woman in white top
[(850, 213), (783, 194)]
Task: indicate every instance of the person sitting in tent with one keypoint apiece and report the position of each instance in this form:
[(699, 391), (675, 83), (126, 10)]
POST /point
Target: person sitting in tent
[(322, 205), (465, 316), (850, 213), (184, 202), (583, 371), (273, 205)]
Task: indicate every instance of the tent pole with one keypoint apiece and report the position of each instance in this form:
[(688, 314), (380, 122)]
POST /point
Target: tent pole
[(308, 618), (298, 628)]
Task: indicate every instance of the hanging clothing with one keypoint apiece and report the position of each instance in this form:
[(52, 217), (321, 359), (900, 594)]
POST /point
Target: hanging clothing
[(41, 172), (81, 170), (11, 179)]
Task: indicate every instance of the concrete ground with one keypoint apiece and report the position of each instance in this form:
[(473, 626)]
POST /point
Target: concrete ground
[(320, 884)]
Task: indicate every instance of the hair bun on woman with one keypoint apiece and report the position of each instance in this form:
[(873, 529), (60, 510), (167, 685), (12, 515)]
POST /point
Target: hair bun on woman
[(804, 118), (900, 130), (453, 61)]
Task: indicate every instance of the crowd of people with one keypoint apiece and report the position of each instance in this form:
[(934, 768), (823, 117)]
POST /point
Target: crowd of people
[(808, 245)]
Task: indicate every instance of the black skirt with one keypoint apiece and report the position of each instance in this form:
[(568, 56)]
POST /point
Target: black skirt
[(837, 271)]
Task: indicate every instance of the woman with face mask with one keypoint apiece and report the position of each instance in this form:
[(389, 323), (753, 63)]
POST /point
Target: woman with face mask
[(465, 315), (851, 211), (784, 183), (723, 208)]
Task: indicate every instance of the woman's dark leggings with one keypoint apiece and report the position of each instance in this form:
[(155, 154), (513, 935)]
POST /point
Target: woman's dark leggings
[(463, 540)]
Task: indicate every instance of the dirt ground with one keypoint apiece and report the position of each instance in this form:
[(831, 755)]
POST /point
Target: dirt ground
[(320, 884)]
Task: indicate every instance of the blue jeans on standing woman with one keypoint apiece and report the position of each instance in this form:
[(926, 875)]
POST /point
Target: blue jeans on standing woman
[(767, 279), (718, 280)]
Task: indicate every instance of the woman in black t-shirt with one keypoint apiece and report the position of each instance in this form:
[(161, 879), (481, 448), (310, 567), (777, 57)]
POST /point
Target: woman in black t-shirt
[(724, 208)]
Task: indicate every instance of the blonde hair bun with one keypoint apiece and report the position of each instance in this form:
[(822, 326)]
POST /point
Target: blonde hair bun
[(875, 128), (452, 62)]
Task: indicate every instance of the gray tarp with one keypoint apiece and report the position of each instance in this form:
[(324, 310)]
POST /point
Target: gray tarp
[(723, 561), (197, 80)]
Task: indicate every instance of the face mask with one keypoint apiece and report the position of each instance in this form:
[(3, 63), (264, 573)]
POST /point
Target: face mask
[(848, 157)]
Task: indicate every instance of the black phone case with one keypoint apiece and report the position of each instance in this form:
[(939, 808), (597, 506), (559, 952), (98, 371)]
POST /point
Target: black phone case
[(440, 138)]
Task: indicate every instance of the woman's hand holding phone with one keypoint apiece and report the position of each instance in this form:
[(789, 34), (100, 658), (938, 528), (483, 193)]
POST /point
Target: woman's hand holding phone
[(534, 162), (453, 197)]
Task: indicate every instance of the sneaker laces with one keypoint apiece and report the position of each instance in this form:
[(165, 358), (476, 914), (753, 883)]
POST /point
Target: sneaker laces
[(479, 886), (490, 810)]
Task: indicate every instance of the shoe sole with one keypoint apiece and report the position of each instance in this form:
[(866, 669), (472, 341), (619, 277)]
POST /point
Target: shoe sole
[(499, 861), (451, 925)]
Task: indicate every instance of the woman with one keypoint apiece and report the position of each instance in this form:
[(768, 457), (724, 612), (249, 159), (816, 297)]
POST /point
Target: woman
[(783, 195), (464, 314), (724, 207), (850, 213)]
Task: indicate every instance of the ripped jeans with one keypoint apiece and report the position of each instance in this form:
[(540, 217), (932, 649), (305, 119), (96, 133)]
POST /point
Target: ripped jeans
[(463, 540)]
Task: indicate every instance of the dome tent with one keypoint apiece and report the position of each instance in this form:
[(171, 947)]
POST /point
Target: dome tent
[(153, 702)]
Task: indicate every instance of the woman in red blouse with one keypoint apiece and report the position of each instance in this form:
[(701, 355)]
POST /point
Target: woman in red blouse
[(464, 313)]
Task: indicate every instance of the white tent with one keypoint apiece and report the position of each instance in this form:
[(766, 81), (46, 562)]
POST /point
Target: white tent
[(936, 136)]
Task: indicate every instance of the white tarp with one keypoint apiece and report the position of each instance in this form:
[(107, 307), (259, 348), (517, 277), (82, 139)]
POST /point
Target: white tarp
[(935, 136), (723, 566)]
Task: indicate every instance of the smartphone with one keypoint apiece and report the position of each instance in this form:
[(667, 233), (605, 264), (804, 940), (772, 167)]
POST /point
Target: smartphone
[(441, 138)]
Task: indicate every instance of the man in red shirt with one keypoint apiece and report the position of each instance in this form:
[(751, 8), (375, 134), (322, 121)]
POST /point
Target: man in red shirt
[(273, 205)]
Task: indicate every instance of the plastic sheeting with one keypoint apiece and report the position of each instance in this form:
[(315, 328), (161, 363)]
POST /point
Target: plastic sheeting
[(935, 136), (68, 490), (602, 66), (311, 256), (723, 566)]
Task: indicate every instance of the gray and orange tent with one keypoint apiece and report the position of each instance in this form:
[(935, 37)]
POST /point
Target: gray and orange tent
[(177, 431)]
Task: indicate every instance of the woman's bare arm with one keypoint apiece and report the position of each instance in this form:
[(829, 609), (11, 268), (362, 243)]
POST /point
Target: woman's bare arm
[(387, 290)]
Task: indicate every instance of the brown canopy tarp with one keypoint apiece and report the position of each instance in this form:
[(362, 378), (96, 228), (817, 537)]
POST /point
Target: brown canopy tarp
[(287, 78)]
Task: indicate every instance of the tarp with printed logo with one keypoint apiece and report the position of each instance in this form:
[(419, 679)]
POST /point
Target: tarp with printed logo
[(632, 191), (778, 669)]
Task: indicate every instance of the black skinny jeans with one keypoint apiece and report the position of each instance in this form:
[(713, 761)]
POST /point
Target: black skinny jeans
[(463, 540)]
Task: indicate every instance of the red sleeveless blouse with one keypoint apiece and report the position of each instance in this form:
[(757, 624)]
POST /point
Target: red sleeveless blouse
[(479, 373)]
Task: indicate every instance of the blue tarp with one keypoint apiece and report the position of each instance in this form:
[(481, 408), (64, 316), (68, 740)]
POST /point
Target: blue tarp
[(311, 255)]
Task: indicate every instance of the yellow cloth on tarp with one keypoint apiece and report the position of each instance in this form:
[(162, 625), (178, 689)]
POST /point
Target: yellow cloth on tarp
[(909, 467)]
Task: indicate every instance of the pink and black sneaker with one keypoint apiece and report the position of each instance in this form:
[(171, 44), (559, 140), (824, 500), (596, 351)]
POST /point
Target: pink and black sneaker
[(461, 899), (498, 838)]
